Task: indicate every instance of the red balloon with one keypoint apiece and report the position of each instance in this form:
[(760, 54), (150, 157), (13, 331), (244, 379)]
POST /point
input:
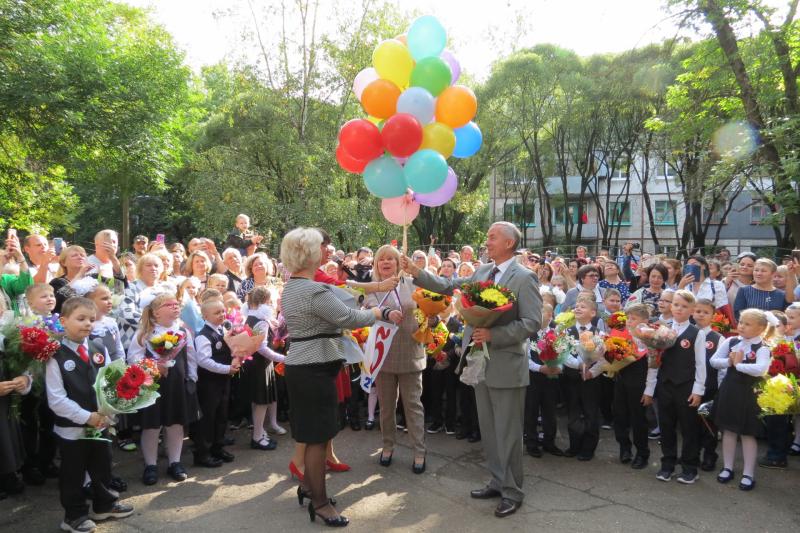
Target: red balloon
[(349, 163), (402, 134), (361, 139)]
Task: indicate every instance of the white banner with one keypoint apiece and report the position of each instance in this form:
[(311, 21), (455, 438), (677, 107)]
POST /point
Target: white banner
[(376, 349)]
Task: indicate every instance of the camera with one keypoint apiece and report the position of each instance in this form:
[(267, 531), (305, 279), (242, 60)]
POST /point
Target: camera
[(636, 246)]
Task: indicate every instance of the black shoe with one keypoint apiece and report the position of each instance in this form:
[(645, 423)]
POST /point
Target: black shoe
[(119, 510), (448, 430), (461, 435), (33, 476), (486, 493), (222, 455), (11, 484), (765, 462), (688, 477), (355, 424), (385, 460), (725, 476), (709, 463), (51, 471), (434, 428), (553, 450), (794, 450), (177, 472), (534, 451), (625, 456), (369, 425), (229, 441), (150, 475), (639, 462), (506, 508), (339, 521), (747, 486), (418, 468), (118, 484), (569, 452), (268, 444), (474, 437), (585, 456), (79, 525), (664, 475), (207, 461), (302, 495)]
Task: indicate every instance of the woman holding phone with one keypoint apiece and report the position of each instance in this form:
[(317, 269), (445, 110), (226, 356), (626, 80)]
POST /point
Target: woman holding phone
[(696, 279)]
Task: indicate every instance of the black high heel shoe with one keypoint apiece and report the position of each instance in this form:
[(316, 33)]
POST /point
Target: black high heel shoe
[(418, 468), (339, 521), (386, 461), (302, 495)]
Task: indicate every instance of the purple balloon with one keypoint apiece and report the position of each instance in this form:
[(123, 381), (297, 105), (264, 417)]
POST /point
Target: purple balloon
[(443, 194), (452, 62)]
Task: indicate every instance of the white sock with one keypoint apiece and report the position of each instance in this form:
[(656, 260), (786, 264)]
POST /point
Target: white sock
[(174, 442), (259, 411), (728, 448), (149, 442), (749, 452), (272, 409)]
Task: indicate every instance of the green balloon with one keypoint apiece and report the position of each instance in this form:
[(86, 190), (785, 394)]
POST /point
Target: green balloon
[(431, 73)]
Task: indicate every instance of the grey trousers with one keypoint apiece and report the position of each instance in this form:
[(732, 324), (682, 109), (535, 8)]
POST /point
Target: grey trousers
[(409, 387), (501, 415)]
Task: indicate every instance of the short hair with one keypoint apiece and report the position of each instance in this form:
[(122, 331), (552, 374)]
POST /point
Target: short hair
[(209, 294), (586, 270), (661, 269), (36, 288), (364, 250), (258, 296), (62, 258), (77, 302), (230, 251), (706, 302), (188, 271), (511, 231), (686, 296), (150, 256), (638, 310), (585, 299), (268, 266), (385, 250), (612, 292), (300, 249), (222, 278), (208, 304), (767, 262), (103, 233), (242, 216), (547, 306), (326, 238)]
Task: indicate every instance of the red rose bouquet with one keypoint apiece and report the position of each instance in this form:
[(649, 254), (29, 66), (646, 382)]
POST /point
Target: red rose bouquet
[(553, 349), (618, 320), (784, 359)]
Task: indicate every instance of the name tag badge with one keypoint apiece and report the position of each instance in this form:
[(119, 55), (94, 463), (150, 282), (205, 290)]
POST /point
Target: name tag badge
[(685, 343), (69, 365), (219, 345), (99, 358), (709, 345)]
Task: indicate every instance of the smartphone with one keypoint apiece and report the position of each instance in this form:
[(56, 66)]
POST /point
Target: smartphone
[(58, 243), (12, 233), (694, 270), (796, 255), (160, 238)]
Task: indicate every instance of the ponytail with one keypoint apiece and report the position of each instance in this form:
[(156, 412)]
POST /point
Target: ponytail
[(147, 322)]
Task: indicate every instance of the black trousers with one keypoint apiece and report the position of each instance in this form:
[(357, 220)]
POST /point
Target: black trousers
[(779, 438), (209, 433), (443, 381), (541, 396), (630, 416), (606, 390), (583, 412), (77, 458), (673, 413), (707, 436), (356, 393), (37, 431), (468, 408)]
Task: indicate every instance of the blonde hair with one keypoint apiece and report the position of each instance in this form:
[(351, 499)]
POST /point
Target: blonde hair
[(144, 259), (98, 288), (268, 266), (588, 300), (639, 311), (222, 278), (62, 258), (147, 322), (385, 250), (166, 261), (768, 262), (188, 270), (769, 332), (300, 249), (36, 288), (209, 294), (686, 296), (182, 288)]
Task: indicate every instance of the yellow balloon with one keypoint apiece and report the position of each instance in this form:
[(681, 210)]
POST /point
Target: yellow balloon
[(439, 137), (374, 120), (393, 62)]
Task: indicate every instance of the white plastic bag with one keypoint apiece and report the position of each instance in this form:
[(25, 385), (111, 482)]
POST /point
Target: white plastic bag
[(475, 371)]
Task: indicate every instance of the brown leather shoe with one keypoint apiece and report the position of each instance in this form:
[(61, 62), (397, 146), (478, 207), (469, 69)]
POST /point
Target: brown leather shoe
[(486, 493), (506, 508)]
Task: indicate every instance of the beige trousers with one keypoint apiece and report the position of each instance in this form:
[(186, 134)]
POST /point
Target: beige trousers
[(409, 386)]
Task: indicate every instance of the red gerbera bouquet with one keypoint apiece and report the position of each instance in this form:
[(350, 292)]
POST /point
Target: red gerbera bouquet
[(553, 349), (721, 324), (784, 359), (620, 352), (434, 349), (617, 320)]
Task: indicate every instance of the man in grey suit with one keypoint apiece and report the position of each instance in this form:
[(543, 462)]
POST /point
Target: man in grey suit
[(501, 397)]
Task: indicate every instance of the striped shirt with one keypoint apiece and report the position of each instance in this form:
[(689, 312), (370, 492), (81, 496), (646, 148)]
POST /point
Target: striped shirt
[(750, 297), (310, 309)]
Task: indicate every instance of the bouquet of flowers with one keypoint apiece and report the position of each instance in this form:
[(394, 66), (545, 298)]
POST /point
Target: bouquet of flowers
[(554, 347), (620, 352), (590, 347), (564, 320), (721, 324), (429, 304), (779, 395), (167, 346), (122, 389), (481, 304), (434, 349), (618, 320), (784, 359), (657, 340), (240, 338), (360, 335)]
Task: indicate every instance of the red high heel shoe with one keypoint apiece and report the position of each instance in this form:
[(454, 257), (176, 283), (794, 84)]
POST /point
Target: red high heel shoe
[(296, 473), (337, 467)]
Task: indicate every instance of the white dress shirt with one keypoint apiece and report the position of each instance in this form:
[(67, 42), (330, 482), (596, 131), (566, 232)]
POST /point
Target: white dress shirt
[(203, 351), (711, 290), (57, 398), (137, 350), (699, 386), (651, 380), (721, 361), (502, 267)]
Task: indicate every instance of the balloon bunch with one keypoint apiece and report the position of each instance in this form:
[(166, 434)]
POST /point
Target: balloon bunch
[(418, 117)]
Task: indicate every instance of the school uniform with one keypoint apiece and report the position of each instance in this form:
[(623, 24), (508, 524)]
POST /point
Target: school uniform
[(213, 390), (736, 409), (106, 332), (583, 410), (682, 373), (630, 416), (259, 372), (178, 401), (70, 377), (708, 437), (12, 447), (541, 397)]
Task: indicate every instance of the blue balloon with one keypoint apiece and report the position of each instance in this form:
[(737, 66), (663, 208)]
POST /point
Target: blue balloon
[(468, 140), (426, 37), (418, 102), (425, 171), (384, 178)]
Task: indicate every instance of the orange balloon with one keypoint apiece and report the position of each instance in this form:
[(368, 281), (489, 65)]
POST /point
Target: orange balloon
[(379, 98), (456, 106), (402, 38)]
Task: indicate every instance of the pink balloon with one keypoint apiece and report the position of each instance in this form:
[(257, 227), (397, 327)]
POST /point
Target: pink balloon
[(364, 78), (452, 62), (401, 210), (443, 194), (401, 160)]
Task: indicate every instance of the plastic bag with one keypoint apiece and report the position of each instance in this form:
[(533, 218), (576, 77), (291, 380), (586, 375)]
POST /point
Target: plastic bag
[(475, 371)]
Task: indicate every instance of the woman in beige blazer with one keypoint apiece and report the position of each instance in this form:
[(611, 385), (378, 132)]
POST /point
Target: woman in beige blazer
[(402, 371)]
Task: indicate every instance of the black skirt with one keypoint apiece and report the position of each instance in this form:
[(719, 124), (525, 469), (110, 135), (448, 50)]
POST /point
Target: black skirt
[(314, 407), (259, 376), (12, 450), (735, 408), (178, 402)]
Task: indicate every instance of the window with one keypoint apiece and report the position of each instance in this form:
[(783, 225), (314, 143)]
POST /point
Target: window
[(574, 210), (514, 212), (758, 213), (665, 213), (623, 169), (619, 214), (669, 171), (718, 213)]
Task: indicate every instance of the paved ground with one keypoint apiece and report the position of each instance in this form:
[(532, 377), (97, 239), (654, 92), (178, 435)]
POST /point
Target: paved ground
[(255, 493)]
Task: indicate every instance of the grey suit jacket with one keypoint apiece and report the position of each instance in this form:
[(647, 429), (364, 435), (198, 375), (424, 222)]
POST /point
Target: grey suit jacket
[(508, 363)]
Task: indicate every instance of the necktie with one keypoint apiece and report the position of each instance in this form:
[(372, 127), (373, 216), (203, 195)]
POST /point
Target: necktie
[(82, 352), (493, 275)]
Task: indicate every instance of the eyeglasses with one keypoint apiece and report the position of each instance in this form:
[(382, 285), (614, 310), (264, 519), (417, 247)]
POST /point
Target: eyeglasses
[(171, 305)]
